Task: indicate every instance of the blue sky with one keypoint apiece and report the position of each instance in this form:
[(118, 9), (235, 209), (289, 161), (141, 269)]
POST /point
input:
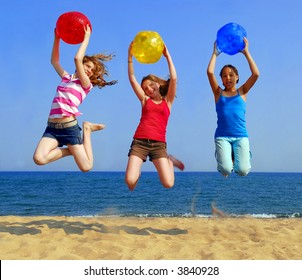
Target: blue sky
[(189, 29)]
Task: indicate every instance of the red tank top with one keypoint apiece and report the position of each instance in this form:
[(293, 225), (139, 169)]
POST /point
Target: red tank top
[(153, 122)]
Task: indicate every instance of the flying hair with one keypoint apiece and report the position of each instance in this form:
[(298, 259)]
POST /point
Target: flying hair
[(99, 70)]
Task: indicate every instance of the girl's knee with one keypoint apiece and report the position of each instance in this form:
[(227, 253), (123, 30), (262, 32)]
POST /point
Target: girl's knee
[(243, 172), (39, 159), (167, 184), (242, 169), (131, 182), (85, 167), (131, 185), (225, 170)]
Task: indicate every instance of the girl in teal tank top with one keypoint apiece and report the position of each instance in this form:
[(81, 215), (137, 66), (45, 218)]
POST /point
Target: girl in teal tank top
[(231, 137)]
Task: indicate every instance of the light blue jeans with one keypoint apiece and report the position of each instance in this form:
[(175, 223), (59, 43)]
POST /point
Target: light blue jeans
[(233, 154)]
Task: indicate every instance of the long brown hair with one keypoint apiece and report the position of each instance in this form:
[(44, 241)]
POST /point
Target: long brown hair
[(163, 84), (99, 70)]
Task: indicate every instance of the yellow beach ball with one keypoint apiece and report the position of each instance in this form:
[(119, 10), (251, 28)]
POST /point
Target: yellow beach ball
[(147, 47)]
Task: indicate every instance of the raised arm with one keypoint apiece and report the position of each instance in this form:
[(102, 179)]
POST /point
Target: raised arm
[(244, 89), (173, 77), (210, 72), (78, 59), (132, 79), (55, 56)]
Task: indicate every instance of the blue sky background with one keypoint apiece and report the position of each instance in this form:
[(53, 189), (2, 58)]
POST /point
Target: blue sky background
[(189, 29)]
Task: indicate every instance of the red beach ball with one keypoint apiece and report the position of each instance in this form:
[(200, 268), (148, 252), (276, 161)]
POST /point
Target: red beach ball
[(70, 27)]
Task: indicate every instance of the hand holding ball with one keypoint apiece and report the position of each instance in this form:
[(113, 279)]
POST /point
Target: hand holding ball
[(230, 38), (147, 47), (70, 27)]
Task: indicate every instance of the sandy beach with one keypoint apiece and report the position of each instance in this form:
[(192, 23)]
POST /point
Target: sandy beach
[(120, 238)]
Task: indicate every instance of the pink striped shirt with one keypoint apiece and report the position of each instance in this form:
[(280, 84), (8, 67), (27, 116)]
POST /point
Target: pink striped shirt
[(70, 94)]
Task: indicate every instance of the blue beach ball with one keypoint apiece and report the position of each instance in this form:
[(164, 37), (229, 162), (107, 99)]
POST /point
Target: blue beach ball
[(230, 38)]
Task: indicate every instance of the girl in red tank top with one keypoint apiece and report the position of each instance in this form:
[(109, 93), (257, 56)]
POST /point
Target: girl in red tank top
[(156, 96)]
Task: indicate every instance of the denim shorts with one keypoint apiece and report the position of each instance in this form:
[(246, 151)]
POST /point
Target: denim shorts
[(66, 136), (233, 153), (143, 148)]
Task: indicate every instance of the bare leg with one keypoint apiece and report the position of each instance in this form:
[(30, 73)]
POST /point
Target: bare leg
[(165, 169), (47, 151), (83, 154), (133, 171), (88, 128)]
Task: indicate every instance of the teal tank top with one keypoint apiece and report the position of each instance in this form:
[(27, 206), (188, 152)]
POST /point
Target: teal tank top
[(231, 120)]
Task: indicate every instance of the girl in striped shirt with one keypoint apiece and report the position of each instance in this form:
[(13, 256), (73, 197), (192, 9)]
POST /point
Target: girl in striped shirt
[(62, 127)]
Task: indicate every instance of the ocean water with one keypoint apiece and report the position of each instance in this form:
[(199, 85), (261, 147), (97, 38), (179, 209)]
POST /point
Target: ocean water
[(261, 195)]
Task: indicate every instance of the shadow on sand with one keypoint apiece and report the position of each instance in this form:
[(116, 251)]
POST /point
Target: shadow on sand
[(35, 227)]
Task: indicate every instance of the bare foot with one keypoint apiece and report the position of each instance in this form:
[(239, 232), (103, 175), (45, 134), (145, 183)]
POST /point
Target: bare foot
[(88, 126), (177, 163)]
